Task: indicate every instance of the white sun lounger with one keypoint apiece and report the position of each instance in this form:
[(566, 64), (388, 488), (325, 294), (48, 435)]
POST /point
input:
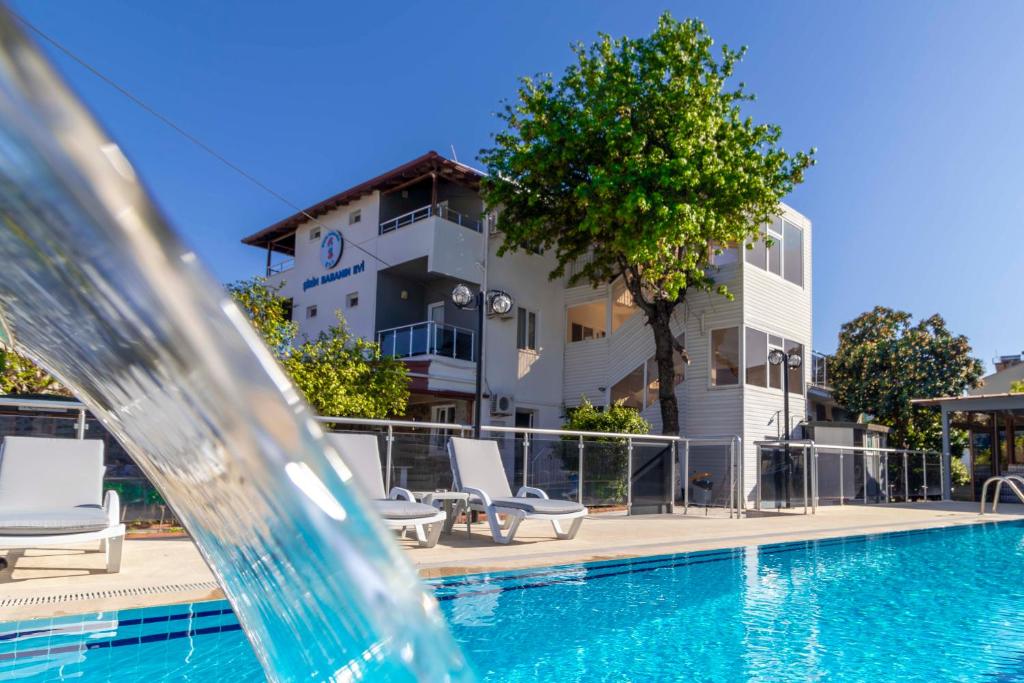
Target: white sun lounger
[(399, 509), (477, 469), (50, 495)]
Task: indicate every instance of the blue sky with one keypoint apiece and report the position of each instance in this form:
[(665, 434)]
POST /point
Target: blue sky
[(913, 106)]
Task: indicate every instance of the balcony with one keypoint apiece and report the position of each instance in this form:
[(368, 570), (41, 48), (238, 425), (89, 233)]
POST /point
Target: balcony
[(819, 370), (425, 212), (280, 266), (427, 339)]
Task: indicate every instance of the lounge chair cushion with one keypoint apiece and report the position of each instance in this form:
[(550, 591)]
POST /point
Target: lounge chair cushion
[(39, 473), (403, 509), (539, 506), (360, 454), (477, 463), (77, 520)]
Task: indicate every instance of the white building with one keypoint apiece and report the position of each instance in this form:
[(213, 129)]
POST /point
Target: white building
[(409, 236)]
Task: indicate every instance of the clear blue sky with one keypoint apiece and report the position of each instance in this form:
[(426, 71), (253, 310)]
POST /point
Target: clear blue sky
[(915, 108)]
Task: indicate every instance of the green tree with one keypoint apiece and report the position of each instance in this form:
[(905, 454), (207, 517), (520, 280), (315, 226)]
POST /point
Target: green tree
[(19, 375), (884, 360), (339, 373), (639, 163), (1017, 387)]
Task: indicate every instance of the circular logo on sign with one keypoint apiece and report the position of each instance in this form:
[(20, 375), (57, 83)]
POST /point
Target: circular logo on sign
[(330, 249)]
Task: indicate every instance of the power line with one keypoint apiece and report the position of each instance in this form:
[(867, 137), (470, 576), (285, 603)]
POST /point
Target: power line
[(181, 131)]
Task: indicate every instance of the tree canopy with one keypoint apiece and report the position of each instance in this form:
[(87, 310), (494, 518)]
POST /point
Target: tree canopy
[(618, 419), (638, 162), (884, 360), (339, 373), (19, 375)]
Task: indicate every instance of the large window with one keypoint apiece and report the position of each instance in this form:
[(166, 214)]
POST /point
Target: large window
[(785, 256), (630, 390), (586, 321), (623, 307), (526, 330), (793, 253), (723, 255), (639, 388), (725, 357), (761, 373)]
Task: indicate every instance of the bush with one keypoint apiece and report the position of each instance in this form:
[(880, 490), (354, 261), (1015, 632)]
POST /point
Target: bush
[(608, 479)]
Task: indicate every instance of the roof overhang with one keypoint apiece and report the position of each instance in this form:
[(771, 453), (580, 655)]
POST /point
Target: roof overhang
[(280, 235), (975, 402)]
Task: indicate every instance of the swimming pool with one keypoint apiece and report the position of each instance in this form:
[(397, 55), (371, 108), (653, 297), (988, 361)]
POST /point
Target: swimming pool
[(940, 604)]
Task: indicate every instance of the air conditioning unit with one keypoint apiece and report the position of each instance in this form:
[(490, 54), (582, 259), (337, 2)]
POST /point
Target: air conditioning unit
[(502, 404)]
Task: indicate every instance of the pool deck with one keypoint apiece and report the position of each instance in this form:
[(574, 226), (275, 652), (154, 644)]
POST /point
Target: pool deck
[(57, 581)]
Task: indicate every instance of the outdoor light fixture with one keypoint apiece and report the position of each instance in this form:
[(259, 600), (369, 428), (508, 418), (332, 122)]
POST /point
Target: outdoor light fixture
[(494, 301), (792, 361)]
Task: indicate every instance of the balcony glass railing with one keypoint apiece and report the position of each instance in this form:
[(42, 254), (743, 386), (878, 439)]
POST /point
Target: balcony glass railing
[(426, 212), (427, 339), (280, 266), (819, 369)]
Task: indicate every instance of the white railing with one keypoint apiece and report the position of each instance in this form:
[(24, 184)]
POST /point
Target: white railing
[(876, 467), (427, 338), (280, 266), (425, 212), (587, 446)]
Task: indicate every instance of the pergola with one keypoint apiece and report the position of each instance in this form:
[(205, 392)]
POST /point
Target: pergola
[(996, 426)]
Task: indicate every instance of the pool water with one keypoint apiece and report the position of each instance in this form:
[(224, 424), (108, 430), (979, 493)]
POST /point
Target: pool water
[(941, 604)]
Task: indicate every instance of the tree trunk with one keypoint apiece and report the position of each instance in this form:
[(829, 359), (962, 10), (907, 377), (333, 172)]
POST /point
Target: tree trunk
[(664, 354)]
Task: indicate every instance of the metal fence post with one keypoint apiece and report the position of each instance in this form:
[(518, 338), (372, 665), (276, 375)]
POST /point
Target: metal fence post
[(760, 476), (672, 477), (579, 482), (389, 439), (906, 478), (804, 450), (80, 427), (842, 488), (526, 457), (686, 476), (924, 475), (732, 479), (814, 478), (886, 470), (864, 469), (629, 476)]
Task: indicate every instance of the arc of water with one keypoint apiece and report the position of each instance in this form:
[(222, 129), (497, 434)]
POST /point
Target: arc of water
[(97, 288)]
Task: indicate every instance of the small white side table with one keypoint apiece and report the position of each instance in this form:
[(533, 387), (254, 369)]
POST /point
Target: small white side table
[(454, 502)]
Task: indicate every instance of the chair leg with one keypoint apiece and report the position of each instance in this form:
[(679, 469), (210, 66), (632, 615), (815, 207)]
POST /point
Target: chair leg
[(103, 545), (428, 539), (113, 550), (574, 529), (510, 525)]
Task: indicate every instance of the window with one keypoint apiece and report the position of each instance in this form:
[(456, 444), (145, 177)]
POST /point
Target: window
[(785, 256), (761, 373), (725, 357), (677, 360), (526, 330), (651, 382), (793, 253), (314, 234), (352, 300), (310, 312), (723, 255), (757, 357), (630, 390), (355, 216), (623, 307), (586, 321)]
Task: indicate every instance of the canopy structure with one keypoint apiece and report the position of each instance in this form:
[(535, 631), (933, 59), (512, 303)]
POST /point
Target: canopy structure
[(995, 422)]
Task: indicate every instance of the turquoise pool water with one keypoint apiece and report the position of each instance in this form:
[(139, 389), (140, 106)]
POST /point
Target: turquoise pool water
[(917, 606)]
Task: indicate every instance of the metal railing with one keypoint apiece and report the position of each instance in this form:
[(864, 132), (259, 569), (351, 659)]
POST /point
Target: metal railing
[(1011, 480), (427, 338), (280, 266), (819, 369), (865, 473), (425, 212), (639, 471), (51, 406)]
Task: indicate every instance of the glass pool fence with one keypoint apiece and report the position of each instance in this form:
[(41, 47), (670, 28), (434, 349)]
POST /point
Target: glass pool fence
[(803, 475)]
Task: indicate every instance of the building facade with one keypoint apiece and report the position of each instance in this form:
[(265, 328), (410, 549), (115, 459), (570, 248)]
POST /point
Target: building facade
[(387, 254)]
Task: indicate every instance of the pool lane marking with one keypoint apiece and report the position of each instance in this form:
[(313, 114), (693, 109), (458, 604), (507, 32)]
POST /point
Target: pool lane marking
[(121, 642), (77, 625)]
